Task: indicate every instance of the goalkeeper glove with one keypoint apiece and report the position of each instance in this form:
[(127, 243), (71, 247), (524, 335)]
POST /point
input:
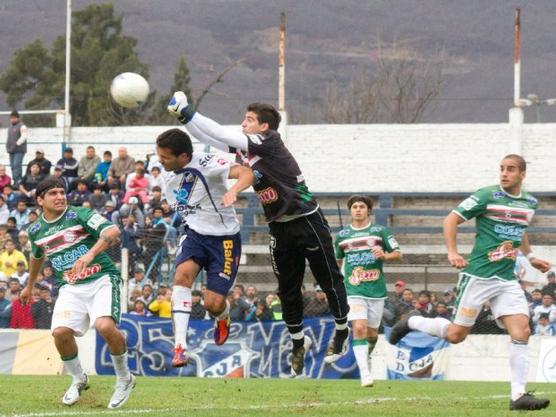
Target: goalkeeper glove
[(180, 108)]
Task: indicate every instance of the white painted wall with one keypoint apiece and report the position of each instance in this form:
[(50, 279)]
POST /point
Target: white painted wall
[(372, 158)]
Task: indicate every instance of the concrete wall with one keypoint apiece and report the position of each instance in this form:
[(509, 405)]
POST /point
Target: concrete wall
[(373, 158)]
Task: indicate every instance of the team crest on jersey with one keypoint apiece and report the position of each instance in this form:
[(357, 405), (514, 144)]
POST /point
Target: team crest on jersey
[(258, 176), (232, 360), (343, 232), (35, 228), (70, 215), (188, 177), (532, 200), (70, 237), (497, 195)]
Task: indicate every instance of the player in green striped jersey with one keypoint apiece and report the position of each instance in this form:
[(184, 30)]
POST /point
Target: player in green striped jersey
[(74, 240), (361, 250), (502, 214)]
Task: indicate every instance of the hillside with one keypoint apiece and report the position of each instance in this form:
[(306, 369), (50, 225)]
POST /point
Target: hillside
[(327, 41)]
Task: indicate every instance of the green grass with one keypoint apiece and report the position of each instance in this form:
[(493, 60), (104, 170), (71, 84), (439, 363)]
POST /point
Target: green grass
[(39, 396)]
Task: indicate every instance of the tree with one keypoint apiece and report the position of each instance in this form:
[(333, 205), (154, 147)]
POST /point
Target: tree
[(181, 83), (36, 77), (399, 88)]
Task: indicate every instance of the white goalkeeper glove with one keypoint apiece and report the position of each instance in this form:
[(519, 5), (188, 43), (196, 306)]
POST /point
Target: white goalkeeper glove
[(179, 107)]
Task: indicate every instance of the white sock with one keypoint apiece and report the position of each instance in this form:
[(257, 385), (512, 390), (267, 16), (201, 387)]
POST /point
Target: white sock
[(225, 313), (435, 327), (519, 366), (73, 367), (361, 352), (181, 311), (120, 365)]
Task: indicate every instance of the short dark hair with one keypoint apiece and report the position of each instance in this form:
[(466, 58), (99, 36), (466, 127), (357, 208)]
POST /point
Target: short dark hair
[(68, 150), (156, 188), (360, 198), (107, 153), (266, 113), (521, 164), (48, 184), (177, 141), (14, 113), (91, 147)]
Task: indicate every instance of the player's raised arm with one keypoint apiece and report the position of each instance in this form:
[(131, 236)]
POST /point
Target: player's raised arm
[(203, 128), (450, 229), (245, 179)]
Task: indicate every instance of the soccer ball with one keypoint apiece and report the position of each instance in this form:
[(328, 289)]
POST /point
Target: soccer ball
[(129, 90)]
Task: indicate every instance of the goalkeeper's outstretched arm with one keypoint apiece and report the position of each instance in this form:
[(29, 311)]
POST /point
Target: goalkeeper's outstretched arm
[(205, 129)]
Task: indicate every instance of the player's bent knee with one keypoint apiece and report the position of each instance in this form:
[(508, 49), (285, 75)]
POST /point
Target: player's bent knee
[(105, 325), (62, 332)]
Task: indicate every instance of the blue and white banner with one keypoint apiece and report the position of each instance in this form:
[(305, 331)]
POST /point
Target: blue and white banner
[(254, 350), (417, 356)]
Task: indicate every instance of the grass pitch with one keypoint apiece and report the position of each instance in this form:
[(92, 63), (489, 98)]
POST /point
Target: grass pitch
[(39, 396)]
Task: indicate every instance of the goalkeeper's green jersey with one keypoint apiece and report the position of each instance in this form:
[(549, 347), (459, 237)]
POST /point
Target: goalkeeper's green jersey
[(501, 220), (66, 239), (362, 271)]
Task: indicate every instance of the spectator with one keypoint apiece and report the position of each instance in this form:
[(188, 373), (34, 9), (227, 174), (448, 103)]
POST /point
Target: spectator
[(448, 298), (486, 323), (260, 312), (87, 165), (441, 310), (147, 294), (551, 286), (101, 172), (44, 163), (33, 217), (130, 237), (166, 209), (49, 280), (81, 194), (523, 286), (275, 306), (140, 309), (424, 304), (13, 231), (154, 241), (41, 311), (239, 305), (139, 281), (68, 164), (543, 326), (116, 195), (138, 165), (5, 309), (155, 202), (10, 197), (20, 214), (98, 198), (547, 306), (58, 171), (251, 295), (134, 295), (317, 304), (29, 183), (133, 209), (536, 300), (21, 273), (16, 145), (138, 186), (109, 212), (14, 288), (9, 258), (4, 211), (197, 310), (5, 179), (158, 181), (21, 313), (162, 305), (120, 167), (399, 287), (4, 236)]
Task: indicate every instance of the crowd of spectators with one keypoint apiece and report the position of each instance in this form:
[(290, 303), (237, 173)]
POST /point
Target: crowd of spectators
[(131, 194)]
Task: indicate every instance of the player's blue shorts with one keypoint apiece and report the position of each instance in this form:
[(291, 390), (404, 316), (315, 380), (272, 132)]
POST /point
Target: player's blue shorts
[(218, 255)]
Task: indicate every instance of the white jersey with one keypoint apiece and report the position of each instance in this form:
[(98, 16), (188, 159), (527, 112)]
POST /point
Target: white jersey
[(195, 193)]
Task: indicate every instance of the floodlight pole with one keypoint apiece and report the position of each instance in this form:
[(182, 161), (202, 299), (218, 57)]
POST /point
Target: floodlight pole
[(282, 78), (516, 112), (67, 115)]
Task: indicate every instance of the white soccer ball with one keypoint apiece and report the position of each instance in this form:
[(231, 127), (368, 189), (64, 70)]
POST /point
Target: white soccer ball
[(129, 90)]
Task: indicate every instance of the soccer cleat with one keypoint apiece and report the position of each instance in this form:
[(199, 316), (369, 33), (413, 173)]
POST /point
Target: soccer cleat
[(74, 391), (122, 392), (401, 328), (298, 357), (528, 402), (181, 357), (221, 330), (367, 381), (338, 347)]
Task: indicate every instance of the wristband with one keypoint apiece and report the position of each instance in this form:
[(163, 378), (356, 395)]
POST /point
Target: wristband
[(531, 255)]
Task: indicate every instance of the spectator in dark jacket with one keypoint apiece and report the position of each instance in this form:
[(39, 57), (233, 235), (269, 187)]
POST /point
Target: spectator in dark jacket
[(42, 310), (315, 304), (197, 310), (98, 198), (5, 309), (44, 163), (81, 194), (68, 164)]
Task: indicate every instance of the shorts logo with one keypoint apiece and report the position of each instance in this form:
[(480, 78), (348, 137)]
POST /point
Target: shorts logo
[(468, 312), (359, 275), (267, 196), (228, 246), (505, 250)]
